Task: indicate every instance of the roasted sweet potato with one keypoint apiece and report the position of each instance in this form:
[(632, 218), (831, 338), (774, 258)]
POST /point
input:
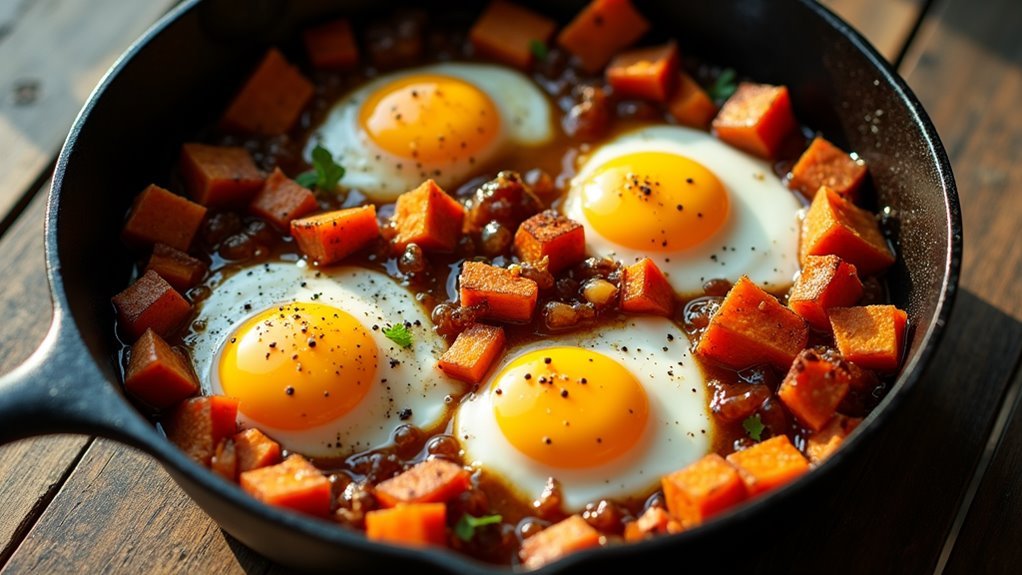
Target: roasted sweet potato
[(503, 295), (331, 46), (473, 352), (295, 484), (181, 270), (414, 525), (825, 282), (221, 176), (690, 105), (652, 521), (702, 489), (645, 73), (508, 33), (645, 289), (824, 164), (823, 443), (769, 465), (751, 327), (159, 216), (570, 535), (198, 425), (330, 237), (834, 226), (255, 450), (871, 336), (814, 388), (225, 460), (150, 303), (551, 235), (281, 200), (157, 374), (271, 100), (432, 481), (756, 118), (429, 218), (600, 30)]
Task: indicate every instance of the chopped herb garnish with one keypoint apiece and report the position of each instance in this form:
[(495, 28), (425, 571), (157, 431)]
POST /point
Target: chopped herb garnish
[(399, 334), (325, 172), (466, 527), (754, 426), (725, 85), (538, 49)]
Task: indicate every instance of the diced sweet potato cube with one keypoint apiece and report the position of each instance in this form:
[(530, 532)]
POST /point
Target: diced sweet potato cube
[(255, 450), (751, 327), (835, 226), (653, 520), (756, 118), (600, 30), (702, 489), (825, 282), (507, 32), (690, 105), (281, 200), (199, 424), (181, 270), (271, 100), (560, 539), (295, 484), (554, 236), (331, 46), (505, 295), (225, 460), (150, 303), (220, 175), (769, 465), (645, 73), (429, 218), (871, 336), (824, 164), (814, 388), (413, 525), (432, 481), (157, 374), (645, 289), (823, 443), (473, 352), (159, 216), (330, 237)]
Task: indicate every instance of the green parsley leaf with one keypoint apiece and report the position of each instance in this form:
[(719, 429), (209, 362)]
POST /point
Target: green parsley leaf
[(754, 426), (325, 172), (466, 526), (399, 334), (538, 49), (723, 86)]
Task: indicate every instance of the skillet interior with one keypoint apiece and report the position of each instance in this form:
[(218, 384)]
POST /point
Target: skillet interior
[(178, 78)]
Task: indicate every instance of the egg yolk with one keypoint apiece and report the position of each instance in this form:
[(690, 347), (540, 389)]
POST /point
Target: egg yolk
[(298, 366), (431, 118), (569, 407), (654, 201)]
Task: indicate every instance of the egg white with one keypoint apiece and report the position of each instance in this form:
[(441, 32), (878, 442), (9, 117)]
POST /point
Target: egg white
[(525, 120), (405, 378), (759, 238), (678, 430)]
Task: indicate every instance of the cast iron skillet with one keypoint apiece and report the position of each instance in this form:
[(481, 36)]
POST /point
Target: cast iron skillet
[(179, 76)]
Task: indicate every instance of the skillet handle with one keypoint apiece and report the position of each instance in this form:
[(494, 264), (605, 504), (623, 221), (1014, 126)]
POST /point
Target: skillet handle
[(59, 389)]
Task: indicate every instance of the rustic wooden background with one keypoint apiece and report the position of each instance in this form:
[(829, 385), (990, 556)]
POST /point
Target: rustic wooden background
[(940, 492)]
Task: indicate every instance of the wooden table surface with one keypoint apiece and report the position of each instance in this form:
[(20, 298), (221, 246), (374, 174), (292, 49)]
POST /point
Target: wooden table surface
[(939, 491)]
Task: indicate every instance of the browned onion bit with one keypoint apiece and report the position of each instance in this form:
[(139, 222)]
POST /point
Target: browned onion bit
[(356, 500), (450, 319), (412, 260), (735, 402), (444, 446), (591, 117), (542, 183), (537, 272), (506, 199), (716, 287), (698, 312), (494, 239), (605, 516), (548, 506)]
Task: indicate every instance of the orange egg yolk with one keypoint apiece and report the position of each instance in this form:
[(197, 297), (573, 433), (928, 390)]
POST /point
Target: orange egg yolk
[(569, 407), (654, 201), (431, 118), (298, 366)]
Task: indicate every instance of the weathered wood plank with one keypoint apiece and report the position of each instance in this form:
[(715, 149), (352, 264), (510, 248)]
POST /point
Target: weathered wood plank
[(886, 23), (31, 470), (54, 54)]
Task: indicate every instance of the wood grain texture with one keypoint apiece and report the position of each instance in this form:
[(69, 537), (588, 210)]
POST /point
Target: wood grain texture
[(55, 53), (885, 23)]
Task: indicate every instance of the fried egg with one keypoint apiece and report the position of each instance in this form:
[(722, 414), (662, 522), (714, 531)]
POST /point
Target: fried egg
[(304, 352), (605, 413), (445, 122), (699, 208)]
